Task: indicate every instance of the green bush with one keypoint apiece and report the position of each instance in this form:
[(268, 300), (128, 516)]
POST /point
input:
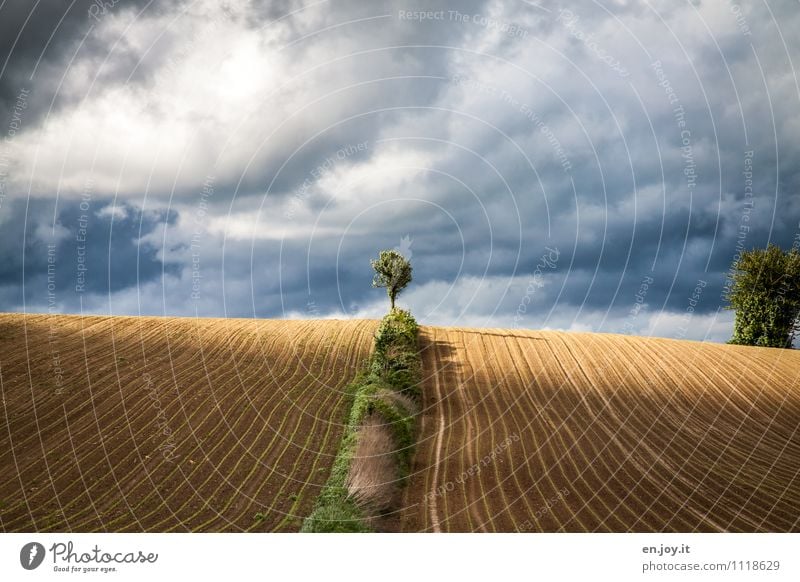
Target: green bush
[(396, 359), (400, 322)]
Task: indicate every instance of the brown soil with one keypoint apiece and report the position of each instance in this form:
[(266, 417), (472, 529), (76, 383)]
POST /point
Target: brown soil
[(169, 424), (549, 431)]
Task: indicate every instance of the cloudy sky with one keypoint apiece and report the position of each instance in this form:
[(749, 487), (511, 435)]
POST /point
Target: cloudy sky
[(585, 166)]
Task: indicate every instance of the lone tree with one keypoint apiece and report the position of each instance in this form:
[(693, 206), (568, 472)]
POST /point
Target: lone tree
[(393, 271), (765, 292)]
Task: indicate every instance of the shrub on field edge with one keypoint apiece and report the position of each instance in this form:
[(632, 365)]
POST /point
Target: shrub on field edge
[(396, 358), (385, 391)]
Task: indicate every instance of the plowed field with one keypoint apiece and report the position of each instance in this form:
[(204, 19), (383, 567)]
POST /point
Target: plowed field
[(549, 431), (154, 424), (168, 424)]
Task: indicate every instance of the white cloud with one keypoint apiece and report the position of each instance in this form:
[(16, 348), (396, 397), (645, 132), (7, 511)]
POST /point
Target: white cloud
[(118, 212)]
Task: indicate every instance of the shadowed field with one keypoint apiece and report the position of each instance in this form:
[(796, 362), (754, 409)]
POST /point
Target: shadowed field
[(549, 431)]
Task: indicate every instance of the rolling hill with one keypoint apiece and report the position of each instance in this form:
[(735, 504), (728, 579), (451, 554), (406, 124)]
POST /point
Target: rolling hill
[(155, 424), (579, 432), (172, 424)]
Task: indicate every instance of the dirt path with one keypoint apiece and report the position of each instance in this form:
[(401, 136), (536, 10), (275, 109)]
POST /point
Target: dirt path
[(437, 459)]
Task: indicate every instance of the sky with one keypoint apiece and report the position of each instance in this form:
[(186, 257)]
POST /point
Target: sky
[(586, 166)]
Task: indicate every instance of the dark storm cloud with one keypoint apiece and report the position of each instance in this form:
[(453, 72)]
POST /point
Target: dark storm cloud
[(498, 146), (356, 96), (82, 252), (38, 39), (396, 73)]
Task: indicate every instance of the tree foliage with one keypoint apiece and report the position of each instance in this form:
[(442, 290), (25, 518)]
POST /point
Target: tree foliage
[(765, 292), (393, 271)]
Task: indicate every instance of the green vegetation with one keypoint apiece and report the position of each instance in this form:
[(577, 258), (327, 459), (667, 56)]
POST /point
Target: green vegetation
[(396, 359), (765, 293), (390, 376), (334, 511), (393, 271)]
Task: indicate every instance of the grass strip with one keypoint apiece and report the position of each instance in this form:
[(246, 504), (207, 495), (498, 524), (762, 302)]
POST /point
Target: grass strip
[(393, 368)]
